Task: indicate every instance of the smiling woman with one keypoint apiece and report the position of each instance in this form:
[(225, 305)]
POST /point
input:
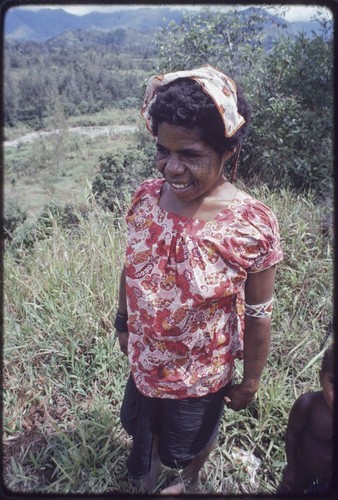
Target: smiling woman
[(196, 290)]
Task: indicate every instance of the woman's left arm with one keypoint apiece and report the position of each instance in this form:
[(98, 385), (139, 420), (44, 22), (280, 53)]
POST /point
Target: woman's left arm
[(258, 290)]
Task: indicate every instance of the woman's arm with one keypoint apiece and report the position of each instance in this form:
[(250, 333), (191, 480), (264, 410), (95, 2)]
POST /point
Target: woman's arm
[(122, 309), (122, 293), (258, 290)]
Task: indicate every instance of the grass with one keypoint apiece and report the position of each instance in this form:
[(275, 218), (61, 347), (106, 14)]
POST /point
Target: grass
[(64, 374)]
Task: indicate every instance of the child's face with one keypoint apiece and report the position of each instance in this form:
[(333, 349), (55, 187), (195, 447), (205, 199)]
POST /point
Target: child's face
[(326, 381)]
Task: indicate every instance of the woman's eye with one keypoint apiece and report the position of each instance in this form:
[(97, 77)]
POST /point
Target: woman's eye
[(161, 150), (190, 154)]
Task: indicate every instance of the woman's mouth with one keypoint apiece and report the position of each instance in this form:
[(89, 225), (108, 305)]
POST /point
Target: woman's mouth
[(179, 186)]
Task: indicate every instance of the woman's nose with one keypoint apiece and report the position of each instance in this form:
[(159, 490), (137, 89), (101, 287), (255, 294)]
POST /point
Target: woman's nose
[(174, 165)]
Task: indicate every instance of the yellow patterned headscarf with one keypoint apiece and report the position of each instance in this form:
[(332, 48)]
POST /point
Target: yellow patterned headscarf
[(216, 84)]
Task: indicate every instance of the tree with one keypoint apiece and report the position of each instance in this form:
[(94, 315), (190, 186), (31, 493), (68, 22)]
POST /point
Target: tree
[(60, 137), (294, 118)]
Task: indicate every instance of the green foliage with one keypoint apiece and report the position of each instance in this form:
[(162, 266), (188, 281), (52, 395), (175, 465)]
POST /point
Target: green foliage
[(119, 174), (13, 216), (89, 71), (29, 232), (287, 79), (232, 41), (63, 296), (293, 116), (60, 138)]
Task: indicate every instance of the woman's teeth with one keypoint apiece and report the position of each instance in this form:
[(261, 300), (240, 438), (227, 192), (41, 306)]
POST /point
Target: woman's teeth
[(179, 186)]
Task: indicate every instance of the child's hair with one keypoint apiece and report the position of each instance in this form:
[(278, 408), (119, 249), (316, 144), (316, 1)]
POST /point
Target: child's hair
[(328, 360), (183, 102)]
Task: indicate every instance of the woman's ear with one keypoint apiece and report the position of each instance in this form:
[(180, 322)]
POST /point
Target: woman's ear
[(234, 162)]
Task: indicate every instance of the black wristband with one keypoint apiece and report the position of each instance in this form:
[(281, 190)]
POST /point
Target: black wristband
[(120, 323)]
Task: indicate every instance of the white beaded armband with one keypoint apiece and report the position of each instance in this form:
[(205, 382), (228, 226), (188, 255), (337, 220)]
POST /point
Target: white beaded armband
[(259, 310)]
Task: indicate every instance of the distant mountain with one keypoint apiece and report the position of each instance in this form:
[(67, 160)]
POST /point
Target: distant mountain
[(41, 25), (272, 21), (38, 25), (45, 24), (307, 27)]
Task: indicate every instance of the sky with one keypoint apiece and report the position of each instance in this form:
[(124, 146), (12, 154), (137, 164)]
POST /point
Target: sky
[(300, 12)]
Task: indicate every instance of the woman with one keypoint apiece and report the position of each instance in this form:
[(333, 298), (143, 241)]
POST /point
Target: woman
[(196, 291)]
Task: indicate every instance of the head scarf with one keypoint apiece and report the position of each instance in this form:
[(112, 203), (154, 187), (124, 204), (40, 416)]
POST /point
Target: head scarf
[(216, 84)]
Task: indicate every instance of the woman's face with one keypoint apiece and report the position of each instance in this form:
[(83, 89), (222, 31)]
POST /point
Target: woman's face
[(191, 167)]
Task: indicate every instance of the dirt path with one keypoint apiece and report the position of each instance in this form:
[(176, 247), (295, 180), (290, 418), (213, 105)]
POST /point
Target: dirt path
[(92, 132)]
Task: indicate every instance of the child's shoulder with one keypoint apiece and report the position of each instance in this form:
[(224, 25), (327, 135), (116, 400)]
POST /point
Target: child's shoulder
[(308, 399)]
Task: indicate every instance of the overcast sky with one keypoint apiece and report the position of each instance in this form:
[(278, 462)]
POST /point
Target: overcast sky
[(301, 12)]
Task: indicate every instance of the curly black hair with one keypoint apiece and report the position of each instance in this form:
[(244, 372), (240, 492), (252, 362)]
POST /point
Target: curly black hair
[(184, 103)]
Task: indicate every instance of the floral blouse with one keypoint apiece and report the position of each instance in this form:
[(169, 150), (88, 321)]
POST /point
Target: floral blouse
[(185, 282)]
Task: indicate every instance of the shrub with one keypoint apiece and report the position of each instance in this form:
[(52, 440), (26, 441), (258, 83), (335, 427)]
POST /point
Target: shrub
[(119, 174), (14, 215), (68, 217)]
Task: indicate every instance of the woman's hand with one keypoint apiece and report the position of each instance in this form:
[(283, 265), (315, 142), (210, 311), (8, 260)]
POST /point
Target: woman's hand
[(239, 396), (123, 341)]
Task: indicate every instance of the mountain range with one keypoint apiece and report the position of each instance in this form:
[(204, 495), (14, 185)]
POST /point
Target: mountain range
[(21, 24), (41, 25)]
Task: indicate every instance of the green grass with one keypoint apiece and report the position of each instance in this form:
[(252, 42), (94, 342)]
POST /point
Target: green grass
[(64, 374)]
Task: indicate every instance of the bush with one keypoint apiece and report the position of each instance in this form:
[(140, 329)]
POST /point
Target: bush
[(68, 217), (119, 174), (14, 215)]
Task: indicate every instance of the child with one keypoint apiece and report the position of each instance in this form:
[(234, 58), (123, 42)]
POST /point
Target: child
[(309, 437)]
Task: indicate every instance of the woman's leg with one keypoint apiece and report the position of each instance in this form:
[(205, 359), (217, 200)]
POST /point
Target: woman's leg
[(190, 475), (188, 432), (137, 416), (149, 481)]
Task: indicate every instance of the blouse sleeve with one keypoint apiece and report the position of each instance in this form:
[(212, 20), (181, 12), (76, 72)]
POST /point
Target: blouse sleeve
[(266, 224)]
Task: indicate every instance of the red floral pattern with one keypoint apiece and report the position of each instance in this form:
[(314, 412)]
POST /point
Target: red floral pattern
[(185, 283)]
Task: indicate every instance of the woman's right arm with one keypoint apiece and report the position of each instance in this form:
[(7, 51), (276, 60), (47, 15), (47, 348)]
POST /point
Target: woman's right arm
[(122, 309)]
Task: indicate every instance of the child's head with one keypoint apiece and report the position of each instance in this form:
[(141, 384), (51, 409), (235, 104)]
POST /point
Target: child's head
[(326, 376)]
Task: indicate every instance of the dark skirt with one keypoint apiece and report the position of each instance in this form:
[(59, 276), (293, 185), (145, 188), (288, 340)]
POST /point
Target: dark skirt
[(184, 427)]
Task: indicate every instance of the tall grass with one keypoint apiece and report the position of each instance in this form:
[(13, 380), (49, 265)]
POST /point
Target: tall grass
[(64, 374)]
